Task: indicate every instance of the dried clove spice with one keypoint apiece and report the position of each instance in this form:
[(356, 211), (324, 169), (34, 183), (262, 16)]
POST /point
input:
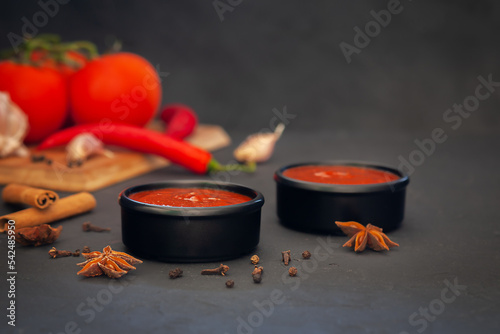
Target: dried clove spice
[(37, 235), (221, 270), (76, 163), (257, 274), (286, 257), (306, 254), (229, 283), (53, 252), (254, 259), (173, 274), (88, 227), (63, 253), (292, 271), (86, 249), (37, 158)]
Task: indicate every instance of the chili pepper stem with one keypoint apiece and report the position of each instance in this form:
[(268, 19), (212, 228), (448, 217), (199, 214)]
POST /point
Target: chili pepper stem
[(214, 167)]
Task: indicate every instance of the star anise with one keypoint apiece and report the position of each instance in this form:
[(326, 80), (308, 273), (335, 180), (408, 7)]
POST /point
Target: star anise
[(113, 264), (362, 236)]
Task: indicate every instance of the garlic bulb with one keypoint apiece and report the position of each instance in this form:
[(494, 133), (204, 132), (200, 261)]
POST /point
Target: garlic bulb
[(13, 128), (81, 147), (258, 147)]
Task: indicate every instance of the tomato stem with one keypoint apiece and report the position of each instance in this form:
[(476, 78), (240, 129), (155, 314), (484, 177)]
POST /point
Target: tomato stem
[(54, 48), (89, 47), (32, 45)]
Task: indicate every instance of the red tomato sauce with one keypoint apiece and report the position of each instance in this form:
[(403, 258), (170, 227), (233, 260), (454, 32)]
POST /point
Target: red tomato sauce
[(339, 174), (189, 197)]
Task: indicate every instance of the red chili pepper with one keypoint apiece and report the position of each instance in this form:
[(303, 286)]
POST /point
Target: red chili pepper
[(180, 119), (146, 141)]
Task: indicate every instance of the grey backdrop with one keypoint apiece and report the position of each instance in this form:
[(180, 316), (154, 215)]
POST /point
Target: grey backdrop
[(267, 54)]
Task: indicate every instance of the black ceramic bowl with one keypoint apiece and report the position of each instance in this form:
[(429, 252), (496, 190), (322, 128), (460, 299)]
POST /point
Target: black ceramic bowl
[(184, 234), (314, 207)]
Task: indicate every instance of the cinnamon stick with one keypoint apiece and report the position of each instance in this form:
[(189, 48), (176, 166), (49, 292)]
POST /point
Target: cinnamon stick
[(21, 194), (63, 208)]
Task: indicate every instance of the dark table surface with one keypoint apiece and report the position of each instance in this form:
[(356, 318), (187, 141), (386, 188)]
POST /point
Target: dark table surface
[(443, 279)]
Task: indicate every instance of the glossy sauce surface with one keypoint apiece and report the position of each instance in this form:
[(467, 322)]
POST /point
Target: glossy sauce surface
[(331, 174), (189, 197)]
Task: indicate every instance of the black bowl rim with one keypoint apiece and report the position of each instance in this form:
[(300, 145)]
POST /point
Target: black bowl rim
[(392, 186), (255, 203)]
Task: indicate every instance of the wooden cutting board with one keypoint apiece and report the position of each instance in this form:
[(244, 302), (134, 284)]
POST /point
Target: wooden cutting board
[(99, 171)]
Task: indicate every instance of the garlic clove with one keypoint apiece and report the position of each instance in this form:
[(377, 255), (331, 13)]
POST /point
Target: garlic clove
[(258, 147), (13, 128), (81, 147)]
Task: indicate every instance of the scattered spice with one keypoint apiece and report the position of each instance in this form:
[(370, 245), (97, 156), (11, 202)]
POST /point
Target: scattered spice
[(109, 262), (292, 271), (229, 283), (21, 194), (362, 236), (76, 163), (221, 270), (63, 208), (53, 252), (37, 158), (257, 274), (88, 227), (306, 254), (173, 274), (286, 257), (41, 158), (86, 249), (254, 259), (37, 235)]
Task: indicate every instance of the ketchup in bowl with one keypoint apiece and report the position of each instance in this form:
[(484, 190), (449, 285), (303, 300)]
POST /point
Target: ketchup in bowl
[(311, 196), (333, 174), (189, 197)]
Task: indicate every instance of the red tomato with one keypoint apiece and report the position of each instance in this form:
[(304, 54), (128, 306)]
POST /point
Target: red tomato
[(73, 62), (121, 87), (40, 92)]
